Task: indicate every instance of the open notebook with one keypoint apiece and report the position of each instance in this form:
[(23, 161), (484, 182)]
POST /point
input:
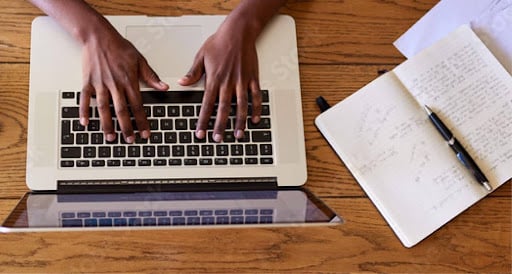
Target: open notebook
[(386, 140)]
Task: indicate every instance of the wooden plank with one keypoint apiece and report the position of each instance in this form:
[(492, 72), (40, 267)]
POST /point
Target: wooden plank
[(476, 241), (329, 32)]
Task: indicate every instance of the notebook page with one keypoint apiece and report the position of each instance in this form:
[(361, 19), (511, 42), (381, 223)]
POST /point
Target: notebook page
[(471, 91), (386, 140)]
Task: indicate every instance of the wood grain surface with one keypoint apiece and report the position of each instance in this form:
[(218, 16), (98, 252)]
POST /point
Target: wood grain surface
[(342, 46)]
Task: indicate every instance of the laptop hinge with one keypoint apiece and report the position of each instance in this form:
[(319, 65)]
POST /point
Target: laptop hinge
[(156, 185)]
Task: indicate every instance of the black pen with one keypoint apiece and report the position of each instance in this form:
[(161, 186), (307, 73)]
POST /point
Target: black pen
[(322, 103), (459, 150)]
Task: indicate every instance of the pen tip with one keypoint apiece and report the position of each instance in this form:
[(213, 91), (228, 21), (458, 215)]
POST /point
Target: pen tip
[(427, 109), (487, 186)]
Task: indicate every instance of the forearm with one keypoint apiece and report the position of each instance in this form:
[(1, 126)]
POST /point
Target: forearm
[(251, 16), (76, 16)]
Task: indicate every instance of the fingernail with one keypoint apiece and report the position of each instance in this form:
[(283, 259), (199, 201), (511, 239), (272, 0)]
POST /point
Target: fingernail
[(145, 134), (130, 139), (163, 84), (256, 119), (200, 134), (111, 137), (84, 121), (239, 134), (217, 138)]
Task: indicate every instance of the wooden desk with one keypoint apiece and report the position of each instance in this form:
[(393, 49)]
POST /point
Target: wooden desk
[(342, 45)]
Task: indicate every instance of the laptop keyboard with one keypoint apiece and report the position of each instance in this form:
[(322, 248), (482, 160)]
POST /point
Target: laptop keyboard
[(172, 117), (166, 218)]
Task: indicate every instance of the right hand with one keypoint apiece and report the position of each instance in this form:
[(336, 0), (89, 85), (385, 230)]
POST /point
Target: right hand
[(112, 68)]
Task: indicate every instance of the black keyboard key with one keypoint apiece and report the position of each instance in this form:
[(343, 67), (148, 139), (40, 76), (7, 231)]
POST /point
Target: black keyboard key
[(113, 162), (229, 137), (67, 163), (190, 162), (205, 162), (70, 112), (153, 124), (133, 151), (175, 162), (266, 149), (181, 124), (266, 161), (82, 138), (144, 162), (222, 150), (94, 125), (127, 162), (207, 150), (119, 151), (236, 161), (173, 111), (82, 163), (158, 111), (77, 126), (237, 150), (98, 162), (251, 161), (170, 138), (89, 152), (263, 124), (192, 150), (104, 152), (178, 150), (97, 138), (166, 124), (163, 151), (148, 151), (188, 111), (70, 152), (156, 138), (261, 136), (68, 95), (159, 162), (68, 215), (221, 161), (251, 149)]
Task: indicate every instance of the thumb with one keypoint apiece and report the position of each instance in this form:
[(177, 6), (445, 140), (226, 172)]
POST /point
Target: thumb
[(149, 76), (195, 72)]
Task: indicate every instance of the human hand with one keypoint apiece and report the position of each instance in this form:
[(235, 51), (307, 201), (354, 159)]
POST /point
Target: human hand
[(112, 68), (230, 65)]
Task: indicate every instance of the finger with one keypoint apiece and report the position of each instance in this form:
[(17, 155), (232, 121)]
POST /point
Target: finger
[(136, 105), (122, 111), (149, 76), (256, 101), (223, 109), (85, 102), (241, 110), (207, 106), (103, 104), (195, 72)]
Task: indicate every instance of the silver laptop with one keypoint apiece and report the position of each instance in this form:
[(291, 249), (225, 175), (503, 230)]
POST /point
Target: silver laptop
[(62, 155), (78, 180)]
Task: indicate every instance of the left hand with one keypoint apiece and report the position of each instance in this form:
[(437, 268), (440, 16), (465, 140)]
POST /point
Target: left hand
[(230, 64)]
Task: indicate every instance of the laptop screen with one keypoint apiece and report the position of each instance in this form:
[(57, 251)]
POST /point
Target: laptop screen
[(50, 211)]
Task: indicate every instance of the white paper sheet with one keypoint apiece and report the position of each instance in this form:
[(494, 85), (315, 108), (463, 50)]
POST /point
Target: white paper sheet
[(490, 19)]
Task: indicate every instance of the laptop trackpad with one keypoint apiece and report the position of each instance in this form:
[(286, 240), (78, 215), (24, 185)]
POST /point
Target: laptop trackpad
[(169, 50)]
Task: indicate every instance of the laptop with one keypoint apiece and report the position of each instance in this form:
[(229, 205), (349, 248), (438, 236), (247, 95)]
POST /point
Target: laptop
[(77, 179)]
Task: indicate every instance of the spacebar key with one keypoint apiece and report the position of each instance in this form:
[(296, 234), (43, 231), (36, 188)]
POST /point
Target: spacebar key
[(158, 97)]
